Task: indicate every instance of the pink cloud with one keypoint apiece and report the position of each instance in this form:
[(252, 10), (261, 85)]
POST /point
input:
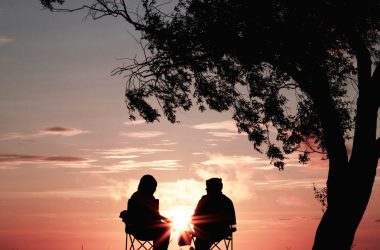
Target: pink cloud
[(291, 201), (62, 131), (19, 158), (126, 152), (223, 125), (165, 143), (146, 134), (5, 40), (50, 131), (164, 165), (137, 122), (16, 159), (230, 135)]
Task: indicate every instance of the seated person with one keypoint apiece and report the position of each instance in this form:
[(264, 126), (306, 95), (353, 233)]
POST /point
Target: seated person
[(143, 218), (213, 216)]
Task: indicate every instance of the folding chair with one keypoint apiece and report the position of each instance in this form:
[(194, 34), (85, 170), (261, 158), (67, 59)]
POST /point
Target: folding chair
[(225, 243), (136, 243)]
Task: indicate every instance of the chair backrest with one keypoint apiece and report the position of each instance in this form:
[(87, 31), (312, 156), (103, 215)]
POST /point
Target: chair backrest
[(130, 225), (221, 244), (136, 243)]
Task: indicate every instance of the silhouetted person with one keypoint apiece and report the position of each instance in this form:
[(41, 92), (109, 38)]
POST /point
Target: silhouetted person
[(213, 216), (144, 219)]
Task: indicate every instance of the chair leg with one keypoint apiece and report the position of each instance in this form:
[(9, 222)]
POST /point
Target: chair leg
[(228, 244), (136, 244)]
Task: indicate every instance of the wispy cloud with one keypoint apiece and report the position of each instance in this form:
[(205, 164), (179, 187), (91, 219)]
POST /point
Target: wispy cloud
[(198, 153), (68, 161), (289, 183), (292, 201), (223, 125), (233, 160), (120, 156), (145, 134), (224, 134), (50, 131), (15, 136), (5, 40), (129, 152), (154, 165), (225, 130), (165, 143), (105, 191), (62, 131), (132, 123)]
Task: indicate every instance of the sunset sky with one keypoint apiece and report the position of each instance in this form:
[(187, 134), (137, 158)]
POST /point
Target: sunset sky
[(70, 158)]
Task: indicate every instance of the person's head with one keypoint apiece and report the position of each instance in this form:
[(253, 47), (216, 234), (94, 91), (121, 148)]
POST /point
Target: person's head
[(214, 185), (147, 184)]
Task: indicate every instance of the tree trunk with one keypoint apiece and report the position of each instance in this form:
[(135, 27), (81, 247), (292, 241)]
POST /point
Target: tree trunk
[(345, 210), (349, 184)]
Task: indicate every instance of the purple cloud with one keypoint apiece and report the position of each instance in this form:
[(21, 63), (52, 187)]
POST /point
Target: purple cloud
[(5, 40), (50, 131), (20, 158), (62, 131)]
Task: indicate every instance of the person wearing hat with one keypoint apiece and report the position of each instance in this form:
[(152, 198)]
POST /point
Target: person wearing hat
[(144, 218), (213, 216)]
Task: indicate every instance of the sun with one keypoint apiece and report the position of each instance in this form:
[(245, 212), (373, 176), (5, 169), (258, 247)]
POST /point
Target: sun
[(180, 217)]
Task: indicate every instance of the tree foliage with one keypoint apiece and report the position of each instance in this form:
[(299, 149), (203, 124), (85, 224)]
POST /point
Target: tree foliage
[(247, 56), (321, 196)]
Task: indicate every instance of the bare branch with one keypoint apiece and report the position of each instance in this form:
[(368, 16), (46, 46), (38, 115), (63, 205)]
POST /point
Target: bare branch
[(102, 8)]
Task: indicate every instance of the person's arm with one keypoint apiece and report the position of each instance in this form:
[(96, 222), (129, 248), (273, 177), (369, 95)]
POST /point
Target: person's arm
[(157, 212), (195, 218), (232, 214)]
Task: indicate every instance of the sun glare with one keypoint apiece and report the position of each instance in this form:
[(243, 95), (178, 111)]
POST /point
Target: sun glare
[(180, 216)]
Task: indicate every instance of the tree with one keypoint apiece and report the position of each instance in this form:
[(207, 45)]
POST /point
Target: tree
[(248, 57)]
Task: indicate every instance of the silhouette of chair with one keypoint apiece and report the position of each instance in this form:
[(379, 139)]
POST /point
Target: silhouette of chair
[(222, 244), (227, 242), (136, 242)]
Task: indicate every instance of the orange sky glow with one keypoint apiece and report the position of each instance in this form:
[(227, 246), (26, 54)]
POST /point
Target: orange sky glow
[(70, 158)]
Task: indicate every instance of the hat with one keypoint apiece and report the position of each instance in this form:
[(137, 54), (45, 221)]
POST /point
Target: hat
[(214, 184)]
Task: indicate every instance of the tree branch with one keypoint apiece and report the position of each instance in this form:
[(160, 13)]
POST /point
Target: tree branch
[(363, 56), (368, 101), (101, 8)]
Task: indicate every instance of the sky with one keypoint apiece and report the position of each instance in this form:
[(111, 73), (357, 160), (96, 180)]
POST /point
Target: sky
[(70, 158)]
